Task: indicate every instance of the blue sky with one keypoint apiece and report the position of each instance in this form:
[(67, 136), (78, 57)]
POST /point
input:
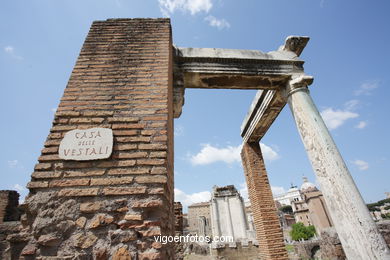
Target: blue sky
[(347, 55)]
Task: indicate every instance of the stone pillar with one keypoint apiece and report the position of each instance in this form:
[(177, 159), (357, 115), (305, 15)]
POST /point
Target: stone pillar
[(243, 217), (357, 231), (229, 217), (214, 218), (109, 208), (268, 230)]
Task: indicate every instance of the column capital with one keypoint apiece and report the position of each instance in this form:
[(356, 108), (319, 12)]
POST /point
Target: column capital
[(297, 82)]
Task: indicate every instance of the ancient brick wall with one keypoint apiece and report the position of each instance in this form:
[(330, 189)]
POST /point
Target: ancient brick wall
[(9, 201), (178, 218), (268, 230), (237, 252), (110, 207)]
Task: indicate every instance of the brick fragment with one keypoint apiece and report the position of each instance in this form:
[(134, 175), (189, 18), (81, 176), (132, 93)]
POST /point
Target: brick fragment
[(97, 113), (133, 139), (122, 119), (69, 182), (148, 204), (111, 181), (151, 161), (152, 146), (78, 192), (37, 184), (42, 166), (151, 231), (129, 155), (133, 217), (159, 170), (124, 190), (151, 179), (123, 147), (81, 173), (125, 132), (90, 207), (46, 175)]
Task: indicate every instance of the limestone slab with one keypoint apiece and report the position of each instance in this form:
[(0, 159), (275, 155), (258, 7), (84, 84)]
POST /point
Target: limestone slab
[(86, 144)]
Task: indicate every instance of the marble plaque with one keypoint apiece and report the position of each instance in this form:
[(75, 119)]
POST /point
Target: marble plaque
[(87, 144)]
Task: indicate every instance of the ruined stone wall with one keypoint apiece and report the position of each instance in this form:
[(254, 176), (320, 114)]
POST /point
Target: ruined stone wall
[(178, 218), (9, 201), (237, 252), (112, 207), (195, 211)]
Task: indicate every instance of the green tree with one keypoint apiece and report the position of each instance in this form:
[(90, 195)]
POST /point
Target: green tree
[(286, 209), (300, 231)]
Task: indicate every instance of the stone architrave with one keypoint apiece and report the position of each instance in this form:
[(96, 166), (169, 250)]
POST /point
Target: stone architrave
[(86, 144)]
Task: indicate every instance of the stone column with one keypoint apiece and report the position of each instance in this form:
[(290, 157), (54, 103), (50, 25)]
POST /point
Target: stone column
[(244, 226), (229, 218), (268, 230), (358, 232), (214, 218)]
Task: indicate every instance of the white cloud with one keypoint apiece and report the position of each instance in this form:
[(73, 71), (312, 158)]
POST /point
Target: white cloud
[(11, 51), (179, 130), (188, 199), (269, 154), (230, 154), (351, 104), (335, 118), (243, 189), (276, 190), (366, 88), (362, 165), (215, 22), (361, 125), (19, 188), (13, 163), (210, 154), (168, 7)]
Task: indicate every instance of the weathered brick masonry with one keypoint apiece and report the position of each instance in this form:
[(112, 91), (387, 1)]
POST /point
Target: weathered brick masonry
[(9, 200), (112, 207), (268, 230)]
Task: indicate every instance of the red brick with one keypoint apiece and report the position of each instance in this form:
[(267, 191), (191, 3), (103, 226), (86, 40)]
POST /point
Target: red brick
[(125, 132), (69, 182), (158, 154), (133, 139), (124, 190), (152, 146), (123, 119), (151, 179), (42, 166), (130, 155), (150, 162), (45, 158), (46, 175), (124, 147), (78, 192), (148, 204), (37, 184), (84, 173), (159, 170), (127, 126), (111, 181)]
